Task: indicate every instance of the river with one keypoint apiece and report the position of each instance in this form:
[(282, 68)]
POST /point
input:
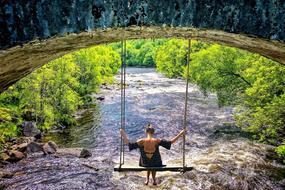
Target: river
[(223, 157)]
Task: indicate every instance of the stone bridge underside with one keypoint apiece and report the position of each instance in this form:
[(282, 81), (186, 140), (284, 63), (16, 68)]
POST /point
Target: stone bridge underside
[(35, 32)]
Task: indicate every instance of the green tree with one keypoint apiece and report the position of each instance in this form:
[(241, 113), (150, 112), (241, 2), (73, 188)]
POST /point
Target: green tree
[(254, 84), (58, 89), (171, 57)]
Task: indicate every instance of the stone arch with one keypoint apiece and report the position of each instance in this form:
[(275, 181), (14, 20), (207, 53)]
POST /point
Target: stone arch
[(35, 32), (19, 61)]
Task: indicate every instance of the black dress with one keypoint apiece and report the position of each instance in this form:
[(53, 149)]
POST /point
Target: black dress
[(155, 160)]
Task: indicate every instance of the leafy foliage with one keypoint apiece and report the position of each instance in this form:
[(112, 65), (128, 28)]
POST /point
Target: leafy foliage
[(281, 151), (55, 91), (7, 127), (171, 57), (140, 52), (254, 84)]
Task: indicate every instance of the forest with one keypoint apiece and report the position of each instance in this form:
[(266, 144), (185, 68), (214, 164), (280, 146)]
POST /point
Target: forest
[(253, 84)]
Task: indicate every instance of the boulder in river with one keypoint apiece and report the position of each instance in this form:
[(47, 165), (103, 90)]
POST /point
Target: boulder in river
[(29, 129), (50, 147), (21, 140), (15, 156), (4, 156), (38, 136), (85, 153), (99, 97), (69, 152), (6, 174), (33, 147), (20, 147), (3, 163)]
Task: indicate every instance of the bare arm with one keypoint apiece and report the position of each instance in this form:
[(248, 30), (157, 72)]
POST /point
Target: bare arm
[(174, 139), (124, 135)]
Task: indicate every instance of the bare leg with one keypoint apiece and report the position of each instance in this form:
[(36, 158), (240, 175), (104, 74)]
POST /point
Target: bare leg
[(153, 173), (147, 177)]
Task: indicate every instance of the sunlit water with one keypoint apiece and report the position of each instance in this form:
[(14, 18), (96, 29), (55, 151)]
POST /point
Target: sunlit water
[(223, 157)]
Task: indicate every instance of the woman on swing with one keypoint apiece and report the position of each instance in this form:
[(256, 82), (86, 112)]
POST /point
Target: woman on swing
[(149, 149)]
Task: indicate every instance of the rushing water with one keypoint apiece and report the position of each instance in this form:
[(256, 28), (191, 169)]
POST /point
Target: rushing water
[(223, 157)]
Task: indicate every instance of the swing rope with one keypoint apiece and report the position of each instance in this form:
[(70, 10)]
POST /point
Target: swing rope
[(186, 103), (123, 100), (123, 104)]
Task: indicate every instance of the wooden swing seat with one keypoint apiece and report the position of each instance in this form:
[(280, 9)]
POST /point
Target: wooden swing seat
[(135, 168)]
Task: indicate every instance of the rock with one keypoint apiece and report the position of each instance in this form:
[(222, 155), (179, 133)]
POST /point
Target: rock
[(85, 153), (15, 156), (3, 163), (24, 140), (33, 147), (6, 174), (107, 88), (50, 147), (29, 129), (11, 139), (69, 152), (38, 136), (20, 147), (101, 98), (4, 156)]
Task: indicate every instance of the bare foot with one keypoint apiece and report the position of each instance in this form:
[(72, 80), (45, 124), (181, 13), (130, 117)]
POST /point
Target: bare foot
[(146, 182)]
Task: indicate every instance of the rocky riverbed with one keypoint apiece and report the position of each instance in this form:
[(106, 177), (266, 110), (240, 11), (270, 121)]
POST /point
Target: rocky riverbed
[(223, 157)]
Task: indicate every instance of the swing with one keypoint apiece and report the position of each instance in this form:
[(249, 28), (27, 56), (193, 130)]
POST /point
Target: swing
[(121, 167)]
